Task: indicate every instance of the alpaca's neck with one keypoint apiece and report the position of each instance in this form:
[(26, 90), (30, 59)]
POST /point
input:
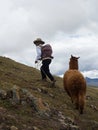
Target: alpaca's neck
[(73, 65)]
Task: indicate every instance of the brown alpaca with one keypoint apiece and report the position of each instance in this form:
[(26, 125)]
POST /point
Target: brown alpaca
[(75, 84)]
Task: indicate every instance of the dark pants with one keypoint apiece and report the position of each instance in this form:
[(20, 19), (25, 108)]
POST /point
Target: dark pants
[(45, 69)]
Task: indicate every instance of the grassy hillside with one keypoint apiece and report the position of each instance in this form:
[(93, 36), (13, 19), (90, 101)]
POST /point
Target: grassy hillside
[(27, 103)]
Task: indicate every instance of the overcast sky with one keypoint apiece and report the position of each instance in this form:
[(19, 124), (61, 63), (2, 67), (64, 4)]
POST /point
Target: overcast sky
[(70, 26)]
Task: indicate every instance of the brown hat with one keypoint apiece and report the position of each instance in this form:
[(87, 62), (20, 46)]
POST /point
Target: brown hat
[(38, 41)]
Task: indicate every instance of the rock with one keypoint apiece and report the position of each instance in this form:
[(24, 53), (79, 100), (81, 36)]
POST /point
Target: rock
[(9, 94), (13, 128), (44, 91), (69, 120), (39, 105), (16, 94), (74, 127), (35, 128), (3, 94)]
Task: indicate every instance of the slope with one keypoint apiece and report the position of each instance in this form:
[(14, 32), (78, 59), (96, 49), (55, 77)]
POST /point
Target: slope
[(27, 103)]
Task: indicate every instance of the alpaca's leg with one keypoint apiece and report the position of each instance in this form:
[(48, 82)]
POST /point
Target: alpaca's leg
[(68, 92), (81, 104), (77, 105), (70, 95), (77, 102)]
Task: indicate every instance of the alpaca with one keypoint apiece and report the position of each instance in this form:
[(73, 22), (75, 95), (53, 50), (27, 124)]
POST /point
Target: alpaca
[(75, 84)]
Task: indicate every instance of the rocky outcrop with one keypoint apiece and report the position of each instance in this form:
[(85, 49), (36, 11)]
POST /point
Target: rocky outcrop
[(22, 97)]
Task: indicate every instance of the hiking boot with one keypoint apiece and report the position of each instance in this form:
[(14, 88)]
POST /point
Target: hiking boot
[(44, 79)]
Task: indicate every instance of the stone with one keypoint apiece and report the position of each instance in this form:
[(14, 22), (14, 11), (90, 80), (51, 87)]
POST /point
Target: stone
[(14, 128)]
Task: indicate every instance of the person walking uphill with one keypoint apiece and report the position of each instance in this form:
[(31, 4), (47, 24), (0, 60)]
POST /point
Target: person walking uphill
[(44, 53)]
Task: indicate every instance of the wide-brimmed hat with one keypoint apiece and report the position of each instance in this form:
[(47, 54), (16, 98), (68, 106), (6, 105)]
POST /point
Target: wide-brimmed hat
[(38, 41)]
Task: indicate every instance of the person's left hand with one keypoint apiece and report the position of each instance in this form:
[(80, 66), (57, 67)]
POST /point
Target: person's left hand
[(36, 61)]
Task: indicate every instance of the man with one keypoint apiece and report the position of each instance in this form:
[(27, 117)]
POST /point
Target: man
[(44, 53)]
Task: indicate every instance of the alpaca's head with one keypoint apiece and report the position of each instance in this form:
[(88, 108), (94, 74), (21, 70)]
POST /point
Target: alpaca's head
[(73, 64)]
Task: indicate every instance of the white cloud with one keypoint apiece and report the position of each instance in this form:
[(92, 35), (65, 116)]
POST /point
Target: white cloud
[(91, 74), (70, 26)]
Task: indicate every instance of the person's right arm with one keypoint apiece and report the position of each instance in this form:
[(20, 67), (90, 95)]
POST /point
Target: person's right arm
[(38, 50)]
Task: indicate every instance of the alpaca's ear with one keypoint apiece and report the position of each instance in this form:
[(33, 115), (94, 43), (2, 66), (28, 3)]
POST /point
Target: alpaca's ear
[(78, 57), (71, 56)]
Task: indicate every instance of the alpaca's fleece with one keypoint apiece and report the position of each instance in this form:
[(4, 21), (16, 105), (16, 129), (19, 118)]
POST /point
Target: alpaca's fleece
[(75, 86)]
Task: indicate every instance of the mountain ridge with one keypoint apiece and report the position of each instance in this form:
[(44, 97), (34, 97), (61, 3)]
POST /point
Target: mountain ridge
[(92, 81)]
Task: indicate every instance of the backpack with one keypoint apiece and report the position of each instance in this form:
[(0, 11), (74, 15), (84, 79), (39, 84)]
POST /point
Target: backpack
[(46, 51)]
